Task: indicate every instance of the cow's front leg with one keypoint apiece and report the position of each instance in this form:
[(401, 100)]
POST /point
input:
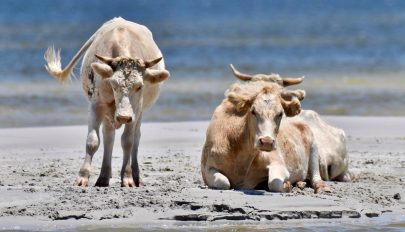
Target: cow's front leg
[(92, 144), (278, 178), (108, 140), (134, 154), (216, 180), (127, 140)]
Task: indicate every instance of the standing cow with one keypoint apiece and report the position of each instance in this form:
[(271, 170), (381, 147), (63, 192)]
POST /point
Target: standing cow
[(122, 70)]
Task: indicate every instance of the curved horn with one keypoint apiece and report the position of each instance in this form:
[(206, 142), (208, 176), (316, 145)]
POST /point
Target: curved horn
[(104, 59), (150, 63), (287, 81), (241, 76)]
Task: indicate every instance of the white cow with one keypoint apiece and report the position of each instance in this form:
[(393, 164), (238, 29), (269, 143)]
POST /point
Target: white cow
[(122, 70)]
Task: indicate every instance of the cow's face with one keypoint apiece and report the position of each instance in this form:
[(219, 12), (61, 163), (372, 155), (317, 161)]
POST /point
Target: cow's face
[(127, 77), (265, 116), (264, 111)]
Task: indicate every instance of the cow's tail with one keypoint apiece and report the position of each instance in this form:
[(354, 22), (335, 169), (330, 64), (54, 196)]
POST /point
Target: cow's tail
[(54, 66)]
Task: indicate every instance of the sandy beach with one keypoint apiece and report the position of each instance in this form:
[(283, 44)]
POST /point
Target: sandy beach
[(38, 167)]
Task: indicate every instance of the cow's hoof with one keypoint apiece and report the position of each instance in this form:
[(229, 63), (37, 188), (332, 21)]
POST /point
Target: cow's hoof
[(139, 183), (102, 182), (301, 184), (287, 187), (320, 186), (81, 181), (128, 182)]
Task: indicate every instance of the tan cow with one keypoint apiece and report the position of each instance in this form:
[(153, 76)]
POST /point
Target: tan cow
[(331, 141), (122, 70), (248, 141)]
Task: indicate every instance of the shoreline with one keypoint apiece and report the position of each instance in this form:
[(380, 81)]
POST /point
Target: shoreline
[(39, 164)]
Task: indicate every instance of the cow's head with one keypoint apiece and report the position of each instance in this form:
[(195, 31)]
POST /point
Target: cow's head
[(127, 77), (282, 81), (264, 104)]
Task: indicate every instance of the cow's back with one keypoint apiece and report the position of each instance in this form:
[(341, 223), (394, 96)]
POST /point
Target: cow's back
[(119, 37)]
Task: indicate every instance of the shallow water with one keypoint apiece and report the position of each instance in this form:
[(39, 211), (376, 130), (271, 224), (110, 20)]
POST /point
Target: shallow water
[(351, 52), (387, 222)]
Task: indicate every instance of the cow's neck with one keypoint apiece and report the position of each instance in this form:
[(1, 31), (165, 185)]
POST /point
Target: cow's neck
[(242, 144)]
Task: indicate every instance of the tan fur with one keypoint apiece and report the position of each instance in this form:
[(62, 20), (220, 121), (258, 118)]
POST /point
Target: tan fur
[(230, 152), (330, 141)]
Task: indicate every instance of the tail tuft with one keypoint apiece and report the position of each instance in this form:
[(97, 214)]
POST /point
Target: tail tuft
[(54, 66)]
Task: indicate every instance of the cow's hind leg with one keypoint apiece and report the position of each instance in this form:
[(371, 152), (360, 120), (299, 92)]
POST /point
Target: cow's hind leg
[(92, 144), (217, 180), (108, 140), (346, 176), (316, 181)]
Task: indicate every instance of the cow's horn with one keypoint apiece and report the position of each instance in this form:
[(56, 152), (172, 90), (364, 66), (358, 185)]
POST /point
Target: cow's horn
[(150, 63), (287, 81), (104, 59), (241, 76)]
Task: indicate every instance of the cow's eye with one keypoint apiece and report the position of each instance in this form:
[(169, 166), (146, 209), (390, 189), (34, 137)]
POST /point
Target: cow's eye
[(139, 87), (279, 116), (253, 111)]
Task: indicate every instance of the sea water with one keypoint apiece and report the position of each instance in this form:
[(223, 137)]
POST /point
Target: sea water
[(352, 53)]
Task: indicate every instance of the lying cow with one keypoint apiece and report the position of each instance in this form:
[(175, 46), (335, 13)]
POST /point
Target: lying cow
[(248, 141), (122, 70), (331, 141)]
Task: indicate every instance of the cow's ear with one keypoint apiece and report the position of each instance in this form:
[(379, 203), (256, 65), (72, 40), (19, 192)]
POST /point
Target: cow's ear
[(290, 100), (104, 70), (155, 76), (241, 102)]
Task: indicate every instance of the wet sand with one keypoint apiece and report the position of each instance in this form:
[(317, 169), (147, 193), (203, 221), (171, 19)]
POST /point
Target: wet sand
[(38, 167)]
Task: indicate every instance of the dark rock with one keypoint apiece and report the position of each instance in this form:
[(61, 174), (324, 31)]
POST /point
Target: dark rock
[(191, 217), (397, 196), (180, 203), (233, 217), (196, 207), (68, 215), (372, 214), (227, 208)]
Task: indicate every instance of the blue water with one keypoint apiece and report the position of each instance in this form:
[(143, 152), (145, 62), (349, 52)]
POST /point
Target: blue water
[(352, 53)]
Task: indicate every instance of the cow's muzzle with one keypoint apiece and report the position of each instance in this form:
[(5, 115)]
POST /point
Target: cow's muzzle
[(266, 143), (123, 119)]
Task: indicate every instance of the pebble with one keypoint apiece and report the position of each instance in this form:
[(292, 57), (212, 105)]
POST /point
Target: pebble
[(397, 196)]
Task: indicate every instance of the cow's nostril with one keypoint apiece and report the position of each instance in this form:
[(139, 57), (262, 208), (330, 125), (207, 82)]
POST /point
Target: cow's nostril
[(261, 141)]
